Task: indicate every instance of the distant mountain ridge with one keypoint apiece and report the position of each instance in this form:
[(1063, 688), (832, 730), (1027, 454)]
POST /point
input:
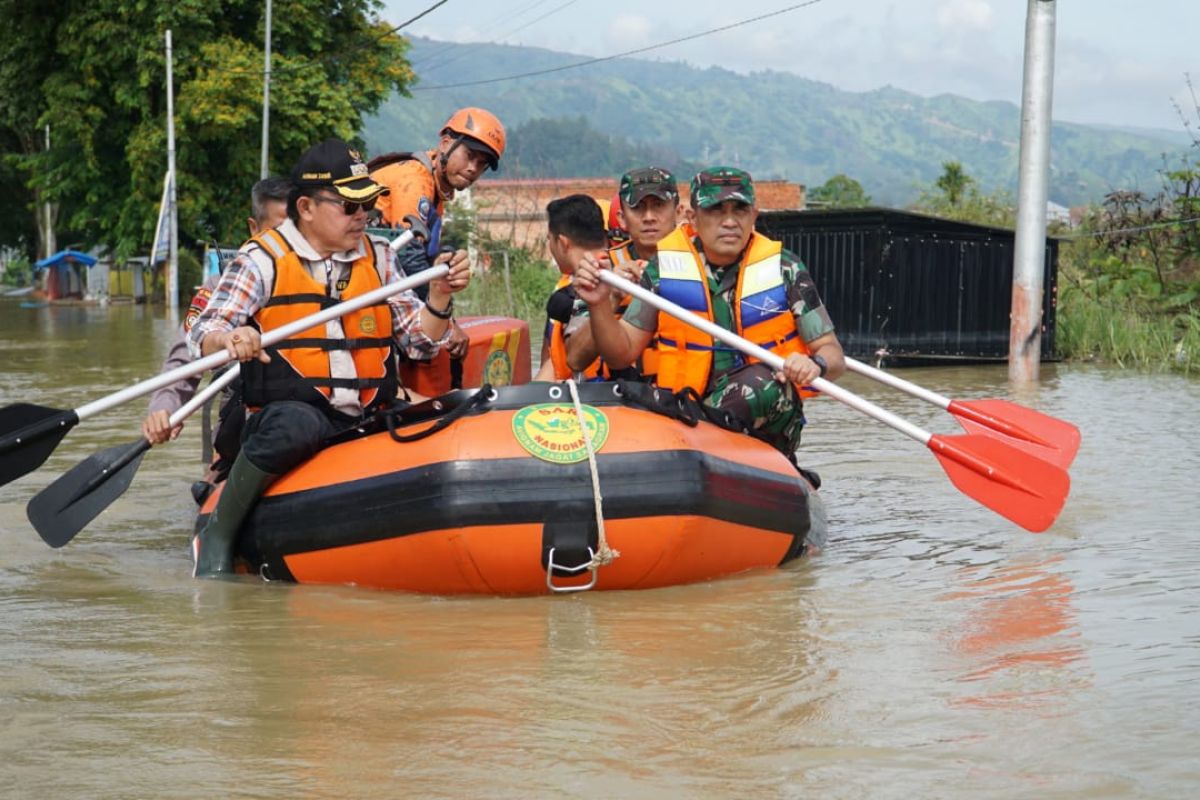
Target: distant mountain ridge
[(777, 125)]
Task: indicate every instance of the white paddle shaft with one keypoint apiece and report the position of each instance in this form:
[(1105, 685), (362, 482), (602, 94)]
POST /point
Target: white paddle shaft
[(772, 360), (271, 337)]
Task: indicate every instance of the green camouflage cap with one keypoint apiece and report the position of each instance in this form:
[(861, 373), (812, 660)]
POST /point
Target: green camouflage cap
[(637, 184), (715, 185)]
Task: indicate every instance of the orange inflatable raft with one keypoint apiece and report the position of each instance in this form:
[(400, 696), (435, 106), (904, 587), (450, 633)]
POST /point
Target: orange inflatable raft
[(496, 491)]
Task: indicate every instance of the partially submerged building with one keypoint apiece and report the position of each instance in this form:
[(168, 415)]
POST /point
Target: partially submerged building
[(909, 287)]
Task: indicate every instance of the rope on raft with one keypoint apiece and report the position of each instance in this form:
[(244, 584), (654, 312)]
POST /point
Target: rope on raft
[(604, 554)]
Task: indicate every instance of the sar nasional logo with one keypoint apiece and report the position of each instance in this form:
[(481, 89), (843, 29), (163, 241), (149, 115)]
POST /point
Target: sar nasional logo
[(497, 370), (551, 432)]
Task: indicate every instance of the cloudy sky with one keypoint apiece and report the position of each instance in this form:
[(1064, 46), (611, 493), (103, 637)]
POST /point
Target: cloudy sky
[(1118, 63)]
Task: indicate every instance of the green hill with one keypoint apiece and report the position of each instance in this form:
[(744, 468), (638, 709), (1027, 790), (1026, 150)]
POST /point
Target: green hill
[(777, 125)]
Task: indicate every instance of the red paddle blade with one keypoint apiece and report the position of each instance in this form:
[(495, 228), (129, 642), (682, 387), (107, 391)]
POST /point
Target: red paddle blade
[(1016, 485), (1041, 435)]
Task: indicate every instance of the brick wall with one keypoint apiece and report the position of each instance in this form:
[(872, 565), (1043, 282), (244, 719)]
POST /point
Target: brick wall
[(515, 210)]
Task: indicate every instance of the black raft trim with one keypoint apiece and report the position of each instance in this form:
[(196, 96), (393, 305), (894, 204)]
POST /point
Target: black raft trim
[(506, 491)]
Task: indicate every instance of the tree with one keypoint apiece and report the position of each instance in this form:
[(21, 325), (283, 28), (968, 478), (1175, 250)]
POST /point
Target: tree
[(27, 52), (958, 197), (953, 181), (101, 86), (840, 191)]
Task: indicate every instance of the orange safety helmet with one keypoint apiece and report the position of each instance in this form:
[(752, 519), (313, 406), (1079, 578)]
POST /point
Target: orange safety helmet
[(479, 126)]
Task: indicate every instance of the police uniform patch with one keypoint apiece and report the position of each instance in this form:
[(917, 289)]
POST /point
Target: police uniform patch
[(198, 304), (424, 207)]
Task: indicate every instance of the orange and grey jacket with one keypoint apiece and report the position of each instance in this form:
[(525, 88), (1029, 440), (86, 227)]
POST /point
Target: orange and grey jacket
[(302, 367), (412, 191), (760, 309)]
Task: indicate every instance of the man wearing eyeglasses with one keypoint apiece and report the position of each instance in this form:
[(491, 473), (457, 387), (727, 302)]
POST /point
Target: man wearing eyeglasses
[(268, 203), (721, 269), (325, 380)]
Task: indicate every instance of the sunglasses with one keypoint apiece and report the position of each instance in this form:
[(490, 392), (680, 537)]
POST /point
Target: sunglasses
[(349, 207)]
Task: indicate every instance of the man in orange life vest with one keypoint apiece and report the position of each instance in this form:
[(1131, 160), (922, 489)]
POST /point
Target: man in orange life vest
[(268, 202), (648, 210), (576, 228), (472, 141), (722, 270), (325, 380)]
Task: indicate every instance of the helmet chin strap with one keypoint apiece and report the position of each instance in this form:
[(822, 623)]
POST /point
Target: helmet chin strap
[(443, 160)]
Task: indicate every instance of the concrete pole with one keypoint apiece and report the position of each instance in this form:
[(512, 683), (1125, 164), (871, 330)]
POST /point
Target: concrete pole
[(172, 297), (51, 241), (266, 114), (1029, 256)]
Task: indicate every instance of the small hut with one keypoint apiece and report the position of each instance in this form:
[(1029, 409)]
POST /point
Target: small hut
[(65, 274)]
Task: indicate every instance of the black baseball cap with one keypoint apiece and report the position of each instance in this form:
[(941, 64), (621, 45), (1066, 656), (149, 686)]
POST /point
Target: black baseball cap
[(336, 165)]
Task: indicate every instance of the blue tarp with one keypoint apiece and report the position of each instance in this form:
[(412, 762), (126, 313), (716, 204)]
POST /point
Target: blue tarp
[(63, 256)]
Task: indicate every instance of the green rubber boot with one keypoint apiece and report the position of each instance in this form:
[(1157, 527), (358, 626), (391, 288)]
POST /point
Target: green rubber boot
[(212, 547)]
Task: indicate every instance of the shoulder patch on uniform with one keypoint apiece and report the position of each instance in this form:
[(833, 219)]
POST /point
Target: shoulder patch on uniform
[(198, 304)]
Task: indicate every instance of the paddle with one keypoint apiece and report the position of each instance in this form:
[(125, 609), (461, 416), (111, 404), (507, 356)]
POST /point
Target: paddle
[(66, 506), (1049, 438), (29, 433), (1011, 482)]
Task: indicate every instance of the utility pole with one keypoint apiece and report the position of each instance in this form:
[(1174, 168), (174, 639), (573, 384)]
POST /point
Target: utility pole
[(266, 121), (51, 242), (1029, 254), (173, 258)]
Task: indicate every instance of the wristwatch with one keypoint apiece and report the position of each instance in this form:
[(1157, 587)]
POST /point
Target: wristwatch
[(822, 363)]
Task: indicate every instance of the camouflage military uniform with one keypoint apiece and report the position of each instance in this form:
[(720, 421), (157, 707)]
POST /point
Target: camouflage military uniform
[(749, 391)]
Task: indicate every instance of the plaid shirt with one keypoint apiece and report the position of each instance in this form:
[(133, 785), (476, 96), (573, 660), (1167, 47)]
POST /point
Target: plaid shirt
[(243, 291)]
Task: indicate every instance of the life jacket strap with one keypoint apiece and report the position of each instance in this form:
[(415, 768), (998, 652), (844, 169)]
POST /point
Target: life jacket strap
[(335, 344), (322, 300), (329, 383)]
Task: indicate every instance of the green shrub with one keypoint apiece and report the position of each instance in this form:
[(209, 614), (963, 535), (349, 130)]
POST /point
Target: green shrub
[(191, 275), (522, 293), (1127, 332), (16, 272)]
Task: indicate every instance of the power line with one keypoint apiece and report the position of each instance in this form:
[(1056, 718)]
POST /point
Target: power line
[(341, 55), (617, 55), (1097, 234), (466, 50), (491, 23)]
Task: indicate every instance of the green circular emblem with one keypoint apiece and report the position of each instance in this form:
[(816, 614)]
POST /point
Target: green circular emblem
[(551, 432), (498, 369)]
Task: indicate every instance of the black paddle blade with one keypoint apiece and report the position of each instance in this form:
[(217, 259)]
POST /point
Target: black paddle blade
[(66, 506), (28, 435)]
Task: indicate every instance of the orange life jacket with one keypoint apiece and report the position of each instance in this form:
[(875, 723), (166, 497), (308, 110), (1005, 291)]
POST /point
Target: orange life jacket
[(596, 371), (300, 367), (760, 309)]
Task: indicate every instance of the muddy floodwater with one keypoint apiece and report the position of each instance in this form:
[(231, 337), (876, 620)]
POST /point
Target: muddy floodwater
[(934, 650)]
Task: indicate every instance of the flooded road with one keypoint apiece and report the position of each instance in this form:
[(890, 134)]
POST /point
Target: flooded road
[(934, 650)]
